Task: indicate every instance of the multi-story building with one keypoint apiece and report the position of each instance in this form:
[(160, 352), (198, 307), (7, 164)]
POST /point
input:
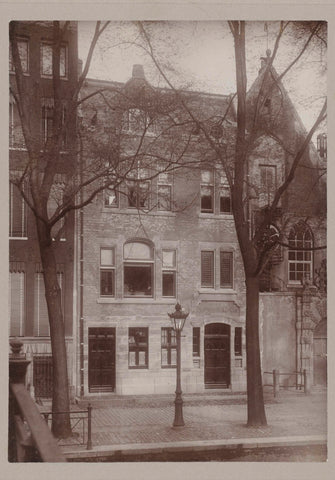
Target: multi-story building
[(173, 239), (27, 305)]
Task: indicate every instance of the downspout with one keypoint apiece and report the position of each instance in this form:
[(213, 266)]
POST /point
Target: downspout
[(81, 298)]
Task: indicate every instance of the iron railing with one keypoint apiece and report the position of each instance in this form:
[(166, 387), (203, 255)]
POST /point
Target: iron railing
[(300, 380), (81, 427)]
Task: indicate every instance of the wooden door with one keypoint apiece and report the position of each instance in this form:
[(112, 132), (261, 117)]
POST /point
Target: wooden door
[(217, 356), (101, 359)]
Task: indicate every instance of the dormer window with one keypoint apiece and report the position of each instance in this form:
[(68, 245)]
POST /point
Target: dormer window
[(138, 121)]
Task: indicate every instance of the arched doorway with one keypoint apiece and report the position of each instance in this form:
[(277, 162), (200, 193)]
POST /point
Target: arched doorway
[(217, 355), (320, 354)]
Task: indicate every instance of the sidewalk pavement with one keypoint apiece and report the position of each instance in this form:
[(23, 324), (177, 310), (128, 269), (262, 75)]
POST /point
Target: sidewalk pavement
[(143, 424)]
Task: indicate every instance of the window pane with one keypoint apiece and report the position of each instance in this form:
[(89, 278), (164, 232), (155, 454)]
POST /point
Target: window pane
[(164, 197), (138, 347), (238, 341), (23, 53), (207, 199), (138, 280), (226, 269), (169, 258), (107, 256), (206, 176), (16, 299), (111, 198), (196, 341), (169, 284), (207, 269), (107, 282), (137, 251), (46, 60), (225, 201)]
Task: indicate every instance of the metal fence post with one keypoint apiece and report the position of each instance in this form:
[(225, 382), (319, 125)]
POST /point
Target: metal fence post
[(89, 427)]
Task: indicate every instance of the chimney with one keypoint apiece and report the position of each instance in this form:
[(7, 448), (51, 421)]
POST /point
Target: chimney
[(138, 71)]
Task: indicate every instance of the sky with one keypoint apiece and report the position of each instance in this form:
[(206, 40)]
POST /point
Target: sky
[(200, 56)]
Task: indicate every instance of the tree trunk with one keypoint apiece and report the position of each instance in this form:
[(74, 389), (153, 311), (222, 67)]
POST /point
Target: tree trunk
[(256, 411), (61, 427)]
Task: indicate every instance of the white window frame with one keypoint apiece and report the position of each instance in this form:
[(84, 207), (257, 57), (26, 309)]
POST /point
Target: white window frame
[(64, 47)]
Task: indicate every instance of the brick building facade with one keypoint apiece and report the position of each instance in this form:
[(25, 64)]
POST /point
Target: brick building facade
[(137, 263), (27, 305)]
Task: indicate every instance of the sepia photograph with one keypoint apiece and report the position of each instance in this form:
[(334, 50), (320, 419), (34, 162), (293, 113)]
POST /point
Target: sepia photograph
[(167, 292)]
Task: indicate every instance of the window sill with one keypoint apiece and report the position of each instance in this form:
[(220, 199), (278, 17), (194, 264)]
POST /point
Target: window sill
[(137, 300), (168, 366), (135, 211), (18, 238), (217, 295), (216, 216)]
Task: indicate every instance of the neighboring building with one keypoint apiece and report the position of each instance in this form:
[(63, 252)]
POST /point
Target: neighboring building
[(174, 239), (27, 305)]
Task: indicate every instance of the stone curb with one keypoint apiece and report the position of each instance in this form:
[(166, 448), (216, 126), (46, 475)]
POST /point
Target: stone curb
[(198, 445)]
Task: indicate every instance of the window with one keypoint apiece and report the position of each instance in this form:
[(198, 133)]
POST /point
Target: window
[(111, 198), (169, 273), (207, 191), (41, 317), (23, 47), (138, 121), (268, 184), (164, 190), (138, 269), (46, 60), (169, 347), (138, 348), (196, 341), (17, 213), (107, 272), (300, 261), (16, 138), (138, 194), (226, 269), (238, 342), (207, 269), (47, 121), (224, 194), (16, 298)]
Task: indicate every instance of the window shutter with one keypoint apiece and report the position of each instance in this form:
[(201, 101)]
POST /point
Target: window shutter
[(16, 300), (226, 269), (207, 269)]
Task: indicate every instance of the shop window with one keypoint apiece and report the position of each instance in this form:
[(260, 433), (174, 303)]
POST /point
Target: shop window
[(23, 47), (207, 191), (196, 341), (107, 272), (169, 347), (207, 269), (226, 269), (238, 342), (17, 213), (300, 261), (138, 269), (46, 60), (138, 348), (169, 273), (16, 298)]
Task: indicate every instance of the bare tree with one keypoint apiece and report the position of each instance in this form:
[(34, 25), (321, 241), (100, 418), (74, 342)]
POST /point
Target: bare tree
[(232, 147)]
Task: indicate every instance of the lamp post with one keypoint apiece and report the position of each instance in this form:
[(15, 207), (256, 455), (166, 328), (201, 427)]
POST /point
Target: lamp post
[(178, 318)]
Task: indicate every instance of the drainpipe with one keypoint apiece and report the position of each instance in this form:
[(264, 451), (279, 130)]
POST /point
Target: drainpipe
[(81, 299)]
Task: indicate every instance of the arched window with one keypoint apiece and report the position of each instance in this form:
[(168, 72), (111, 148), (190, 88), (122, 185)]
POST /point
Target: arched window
[(300, 260), (138, 271)]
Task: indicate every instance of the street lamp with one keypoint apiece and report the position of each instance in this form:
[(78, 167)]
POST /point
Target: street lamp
[(178, 318)]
